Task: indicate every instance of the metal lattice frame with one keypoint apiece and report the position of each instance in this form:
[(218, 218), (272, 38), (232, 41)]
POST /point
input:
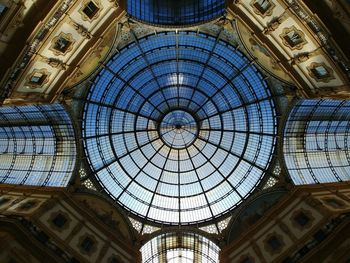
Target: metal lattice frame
[(180, 12), (37, 145), (179, 127), (316, 139), (180, 247)]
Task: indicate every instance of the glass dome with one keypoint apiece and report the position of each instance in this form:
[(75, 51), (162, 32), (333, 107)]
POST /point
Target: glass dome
[(179, 127)]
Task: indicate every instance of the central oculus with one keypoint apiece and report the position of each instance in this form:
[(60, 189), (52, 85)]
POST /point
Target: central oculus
[(178, 129)]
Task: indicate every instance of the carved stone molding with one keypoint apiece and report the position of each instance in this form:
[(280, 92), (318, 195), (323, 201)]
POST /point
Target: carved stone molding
[(81, 29), (274, 24), (302, 57), (116, 3), (55, 63)]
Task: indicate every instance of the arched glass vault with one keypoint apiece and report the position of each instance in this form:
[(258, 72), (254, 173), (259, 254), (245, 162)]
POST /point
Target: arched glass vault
[(180, 248), (37, 145), (175, 12), (179, 127), (316, 141)]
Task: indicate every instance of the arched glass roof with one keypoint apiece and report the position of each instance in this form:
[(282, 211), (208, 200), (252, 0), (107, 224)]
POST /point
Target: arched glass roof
[(175, 12), (179, 127), (180, 248)]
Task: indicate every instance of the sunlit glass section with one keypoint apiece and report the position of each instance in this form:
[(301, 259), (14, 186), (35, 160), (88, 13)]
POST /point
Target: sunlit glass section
[(37, 145), (179, 128), (316, 141), (175, 12), (180, 248)]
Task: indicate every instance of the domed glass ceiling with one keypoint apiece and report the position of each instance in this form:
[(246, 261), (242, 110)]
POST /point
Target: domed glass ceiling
[(179, 127)]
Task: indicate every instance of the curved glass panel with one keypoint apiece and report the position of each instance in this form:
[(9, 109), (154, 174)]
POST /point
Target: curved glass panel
[(180, 248), (175, 12), (316, 138), (179, 127), (37, 145)]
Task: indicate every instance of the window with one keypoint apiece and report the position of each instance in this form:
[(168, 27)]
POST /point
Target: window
[(28, 205), (334, 203), (301, 219), (262, 7), (320, 72), (37, 78), (62, 44), (3, 10), (274, 243), (59, 220), (90, 9), (87, 244), (293, 38)]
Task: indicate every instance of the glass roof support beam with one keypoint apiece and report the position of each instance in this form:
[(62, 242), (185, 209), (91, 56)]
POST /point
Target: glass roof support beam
[(208, 58), (228, 81), (126, 83), (148, 64)]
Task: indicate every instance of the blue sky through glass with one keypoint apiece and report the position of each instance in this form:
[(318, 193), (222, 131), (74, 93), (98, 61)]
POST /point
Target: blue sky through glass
[(175, 12), (316, 139), (37, 145), (220, 137)]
